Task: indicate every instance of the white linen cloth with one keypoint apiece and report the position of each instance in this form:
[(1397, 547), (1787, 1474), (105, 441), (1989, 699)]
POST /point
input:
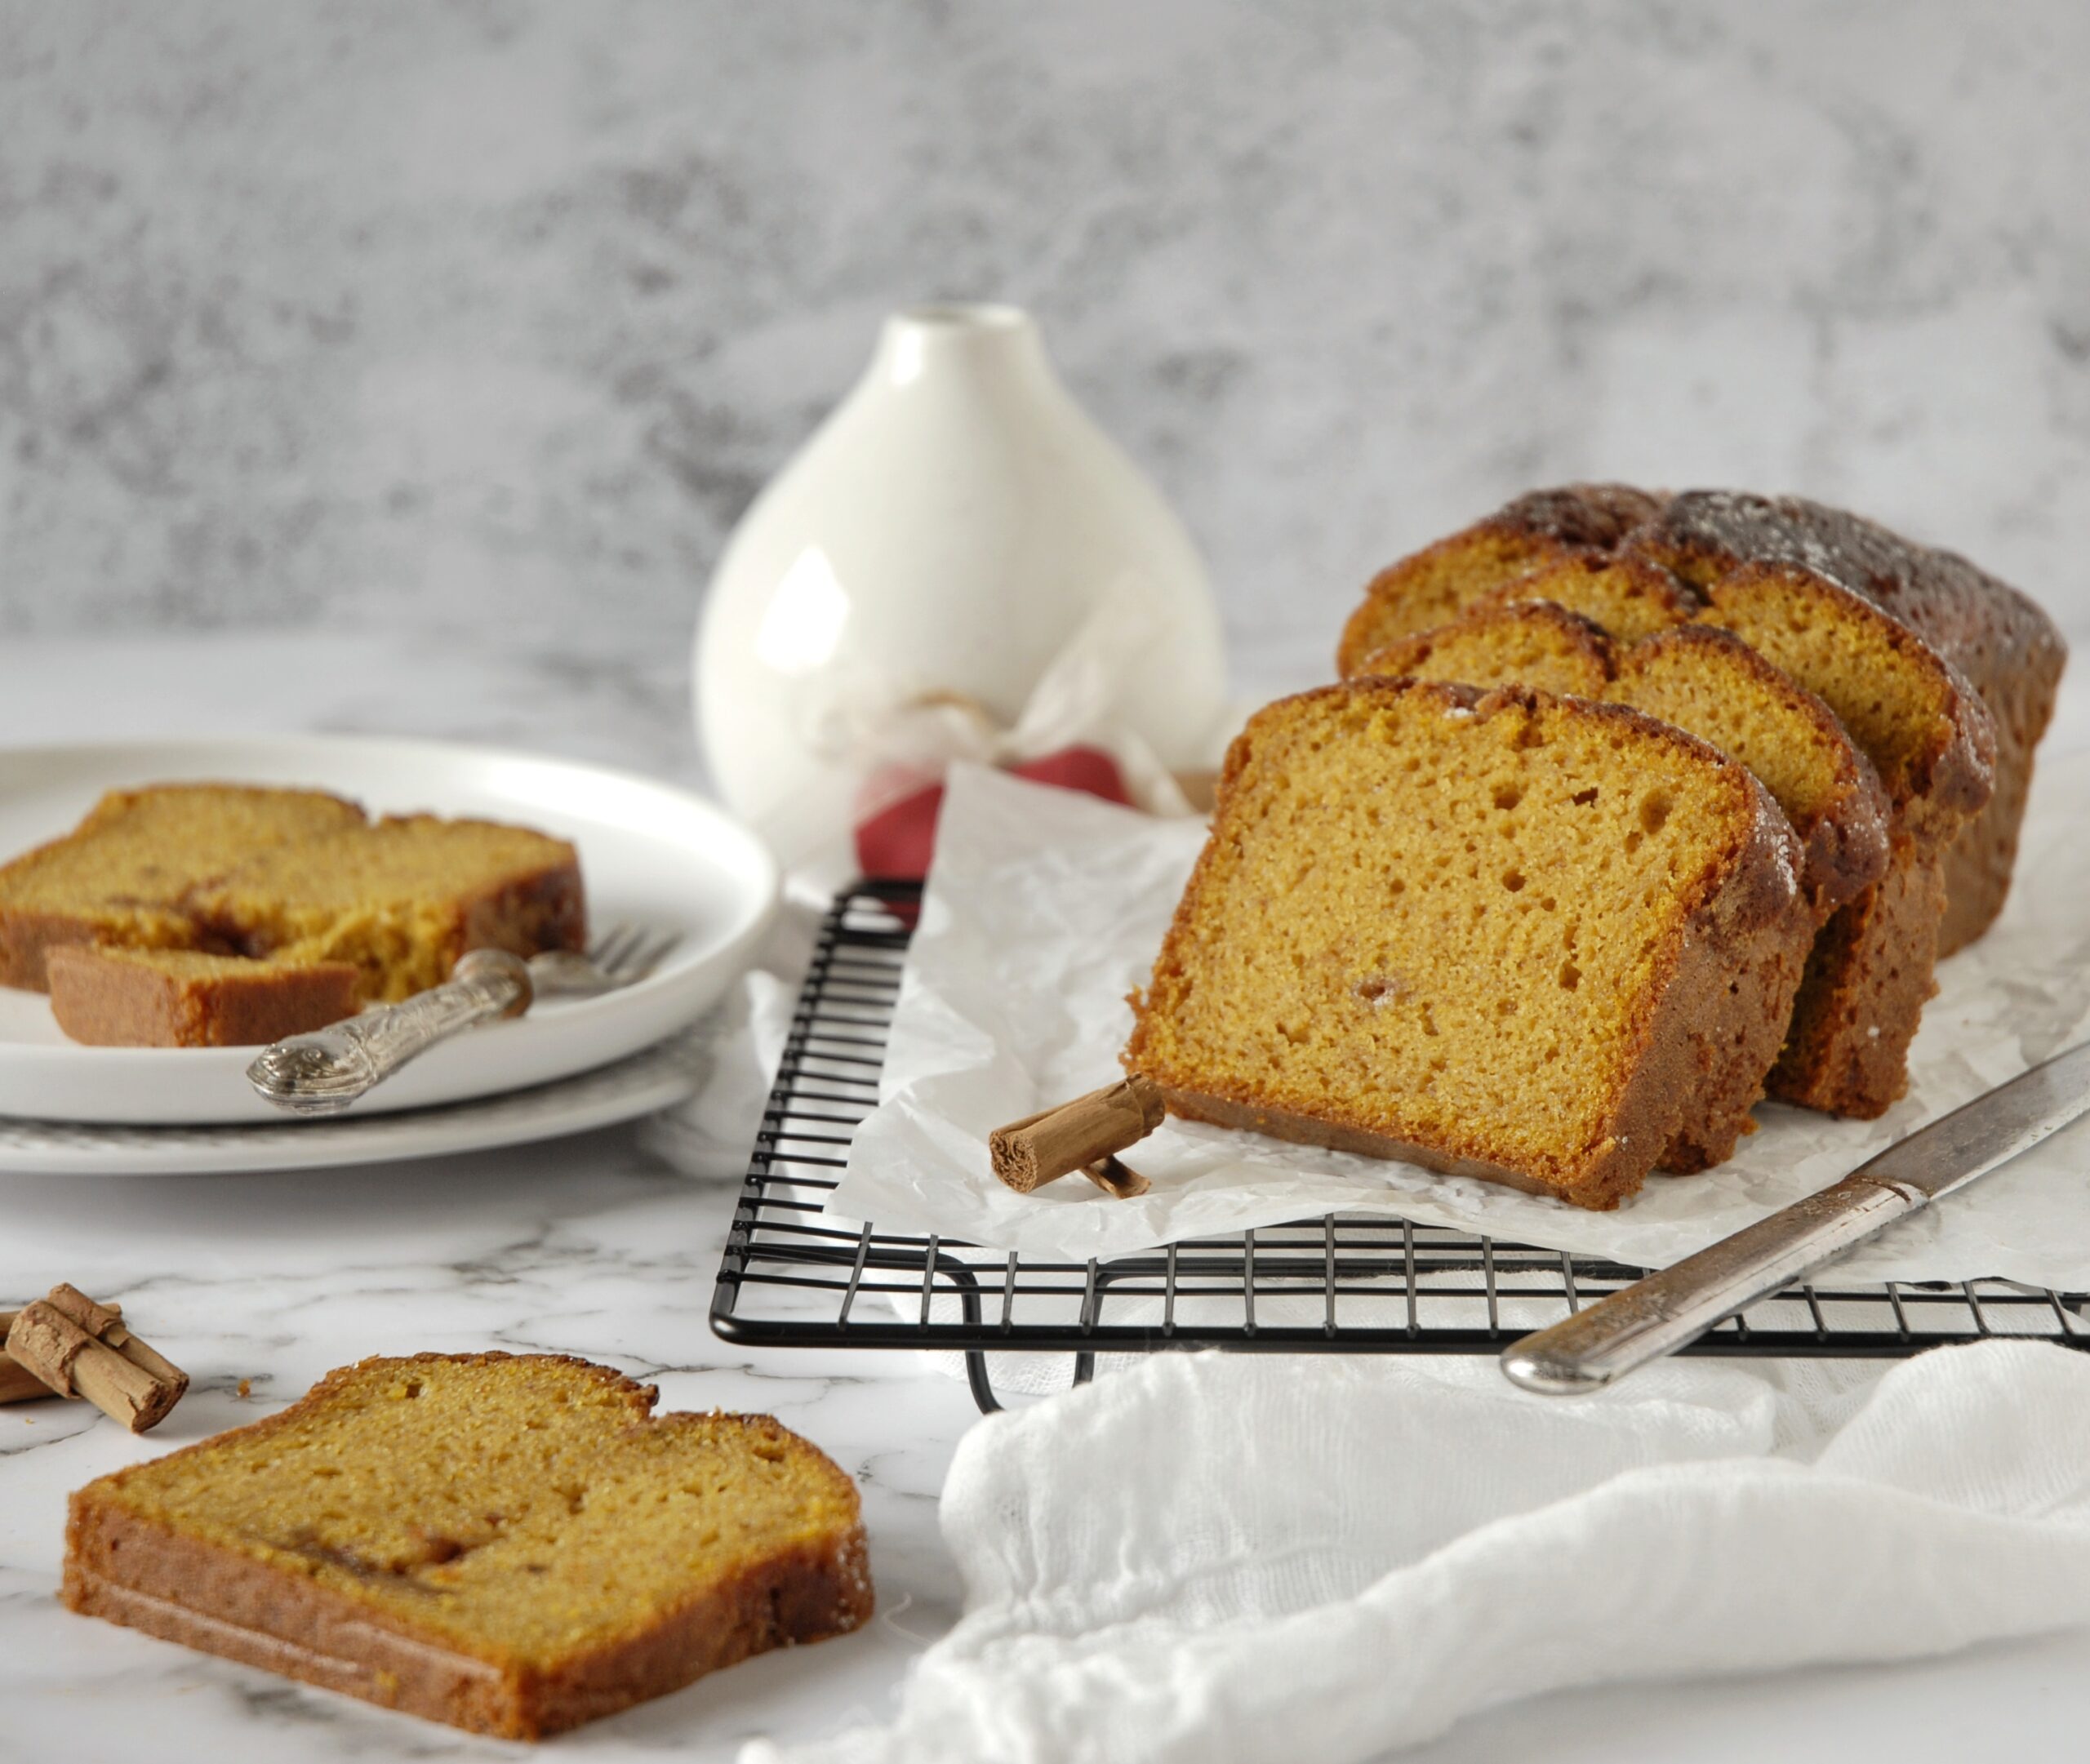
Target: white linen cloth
[(1234, 1559)]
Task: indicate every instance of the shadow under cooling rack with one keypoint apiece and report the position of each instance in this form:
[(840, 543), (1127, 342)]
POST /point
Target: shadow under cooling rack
[(1348, 1283)]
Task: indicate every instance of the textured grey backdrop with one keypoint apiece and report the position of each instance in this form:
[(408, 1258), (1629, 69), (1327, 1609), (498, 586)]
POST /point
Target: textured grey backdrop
[(491, 318)]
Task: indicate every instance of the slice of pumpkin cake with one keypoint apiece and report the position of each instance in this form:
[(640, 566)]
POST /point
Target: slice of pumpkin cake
[(106, 996), (1542, 940), (123, 875), (402, 899), (1709, 683), (1933, 745), (1569, 536), (1995, 637), (514, 1544), (1538, 643)]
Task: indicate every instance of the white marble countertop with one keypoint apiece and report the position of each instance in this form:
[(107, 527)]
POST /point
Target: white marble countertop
[(589, 1245)]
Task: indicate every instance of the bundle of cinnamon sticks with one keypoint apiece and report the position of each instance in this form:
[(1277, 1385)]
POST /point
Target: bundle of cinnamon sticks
[(65, 1344)]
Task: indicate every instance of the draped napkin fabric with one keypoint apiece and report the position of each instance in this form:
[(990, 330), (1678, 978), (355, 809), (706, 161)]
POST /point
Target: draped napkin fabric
[(1243, 1559)]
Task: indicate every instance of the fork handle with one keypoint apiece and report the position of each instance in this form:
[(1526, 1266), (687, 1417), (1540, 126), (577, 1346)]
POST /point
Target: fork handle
[(322, 1072)]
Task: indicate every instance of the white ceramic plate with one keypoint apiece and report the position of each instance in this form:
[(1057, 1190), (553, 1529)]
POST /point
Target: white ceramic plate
[(623, 1090), (650, 854)]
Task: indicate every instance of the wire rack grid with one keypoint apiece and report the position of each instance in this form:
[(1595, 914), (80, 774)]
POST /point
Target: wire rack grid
[(793, 1275)]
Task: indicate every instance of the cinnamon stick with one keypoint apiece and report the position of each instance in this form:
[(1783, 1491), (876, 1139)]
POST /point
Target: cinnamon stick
[(18, 1384), (79, 1347), (1121, 1182), (1056, 1142)]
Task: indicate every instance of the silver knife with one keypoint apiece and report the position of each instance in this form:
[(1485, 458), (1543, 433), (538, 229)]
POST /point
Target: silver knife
[(1667, 1310)]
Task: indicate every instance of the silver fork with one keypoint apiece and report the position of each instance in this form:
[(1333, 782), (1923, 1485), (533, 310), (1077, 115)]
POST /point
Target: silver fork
[(322, 1072)]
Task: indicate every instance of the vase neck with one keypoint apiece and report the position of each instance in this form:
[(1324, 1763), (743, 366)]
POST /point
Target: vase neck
[(972, 341)]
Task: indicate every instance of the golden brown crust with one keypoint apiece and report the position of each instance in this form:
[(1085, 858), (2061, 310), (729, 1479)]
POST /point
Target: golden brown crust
[(1639, 596), (1723, 1017), (1998, 639), (134, 1569), (1843, 840), (1598, 515), (1574, 655), (1723, 992), (1867, 981), (1954, 775), (102, 1000), (538, 910), (1545, 527), (28, 937)]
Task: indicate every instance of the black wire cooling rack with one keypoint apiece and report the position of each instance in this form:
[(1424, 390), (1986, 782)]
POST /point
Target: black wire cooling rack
[(793, 1276)]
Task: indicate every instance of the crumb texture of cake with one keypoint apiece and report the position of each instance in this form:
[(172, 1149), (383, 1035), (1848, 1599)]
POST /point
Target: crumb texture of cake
[(105, 996), (124, 875), (1711, 684), (513, 1545), (1539, 939), (402, 899), (1537, 643), (1707, 682)]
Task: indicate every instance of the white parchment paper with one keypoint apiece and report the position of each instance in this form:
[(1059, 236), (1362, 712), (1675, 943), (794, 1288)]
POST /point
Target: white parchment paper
[(1044, 908)]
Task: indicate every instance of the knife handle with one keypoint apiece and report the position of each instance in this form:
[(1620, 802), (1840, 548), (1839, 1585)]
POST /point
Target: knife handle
[(1667, 1310)]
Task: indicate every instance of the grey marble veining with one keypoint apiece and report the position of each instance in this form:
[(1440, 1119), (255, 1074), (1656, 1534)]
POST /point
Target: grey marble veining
[(475, 317)]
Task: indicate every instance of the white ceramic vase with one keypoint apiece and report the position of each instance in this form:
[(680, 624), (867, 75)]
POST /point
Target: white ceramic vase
[(947, 531)]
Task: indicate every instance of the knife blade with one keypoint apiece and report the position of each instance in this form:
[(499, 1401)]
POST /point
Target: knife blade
[(1670, 1309)]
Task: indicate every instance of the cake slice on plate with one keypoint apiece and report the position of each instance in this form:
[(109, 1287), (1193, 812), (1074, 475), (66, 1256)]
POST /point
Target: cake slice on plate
[(400, 899), (115, 998)]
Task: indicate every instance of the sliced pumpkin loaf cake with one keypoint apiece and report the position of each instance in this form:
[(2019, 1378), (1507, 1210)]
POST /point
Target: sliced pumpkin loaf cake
[(1998, 639), (513, 1545), (402, 899), (1932, 742), (1907, 645), (214, 915), (1709, 683), (1538, 939)]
